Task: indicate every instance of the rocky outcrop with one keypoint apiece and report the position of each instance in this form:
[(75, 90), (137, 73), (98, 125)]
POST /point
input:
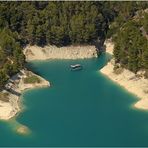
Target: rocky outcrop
[(53, 52)]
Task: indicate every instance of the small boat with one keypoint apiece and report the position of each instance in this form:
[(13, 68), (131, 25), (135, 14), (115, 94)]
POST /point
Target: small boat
[(76, 67)]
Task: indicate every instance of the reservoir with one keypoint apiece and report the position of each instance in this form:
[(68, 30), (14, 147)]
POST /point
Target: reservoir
[(81, 108)]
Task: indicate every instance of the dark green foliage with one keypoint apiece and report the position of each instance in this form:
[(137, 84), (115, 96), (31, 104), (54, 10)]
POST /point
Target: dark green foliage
[(11, 55), (131, 45), (125, 12), (63, 23), (59, 23), (3, 78)]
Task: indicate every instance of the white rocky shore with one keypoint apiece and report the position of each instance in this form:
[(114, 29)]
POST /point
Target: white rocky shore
[(53, 52), (135, 84), (14, 87)]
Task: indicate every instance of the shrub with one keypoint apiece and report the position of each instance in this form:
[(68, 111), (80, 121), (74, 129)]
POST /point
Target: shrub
[(32, 79)]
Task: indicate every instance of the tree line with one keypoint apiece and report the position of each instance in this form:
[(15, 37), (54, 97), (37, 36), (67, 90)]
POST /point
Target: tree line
[(58, 23)]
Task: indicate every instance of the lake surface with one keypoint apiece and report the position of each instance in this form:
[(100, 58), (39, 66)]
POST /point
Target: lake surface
[(81, 108)]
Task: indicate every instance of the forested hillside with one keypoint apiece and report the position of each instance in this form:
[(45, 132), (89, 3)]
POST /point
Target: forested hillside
[(11, 56), (58, 23), (131, 42), (65, 23)]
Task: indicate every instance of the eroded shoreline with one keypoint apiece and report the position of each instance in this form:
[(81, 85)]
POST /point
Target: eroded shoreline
[(137, 85), (14, 88), (126, 79), (53, 52), (15, 85)]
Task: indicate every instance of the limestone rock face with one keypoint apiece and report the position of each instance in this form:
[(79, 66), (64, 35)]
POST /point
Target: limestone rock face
[(53, 52)]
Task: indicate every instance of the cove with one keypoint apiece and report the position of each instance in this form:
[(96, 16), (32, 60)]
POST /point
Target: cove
[(81, 108)]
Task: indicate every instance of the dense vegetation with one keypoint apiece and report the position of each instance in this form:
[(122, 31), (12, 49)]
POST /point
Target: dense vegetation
[(59, 23), (11, 56), (65, 23), (131, 42)]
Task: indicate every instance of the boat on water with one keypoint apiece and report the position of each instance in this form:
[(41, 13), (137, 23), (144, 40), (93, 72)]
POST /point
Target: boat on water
[(76, 67)]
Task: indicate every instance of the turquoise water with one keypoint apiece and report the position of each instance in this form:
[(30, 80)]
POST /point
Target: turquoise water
[(81, 108)]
